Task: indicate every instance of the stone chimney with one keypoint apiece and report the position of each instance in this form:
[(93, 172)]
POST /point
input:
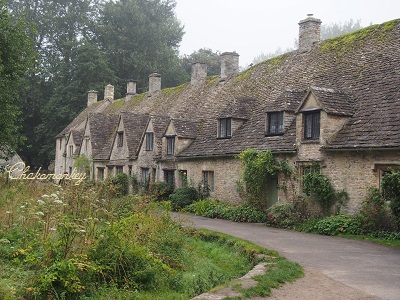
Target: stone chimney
[(154, 83), (309, 33), (91, 97), (199, 72), (229, 64), (130, 89), (109, 92)]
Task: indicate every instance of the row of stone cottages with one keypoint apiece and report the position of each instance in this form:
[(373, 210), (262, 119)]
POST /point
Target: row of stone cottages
[(335, 102)]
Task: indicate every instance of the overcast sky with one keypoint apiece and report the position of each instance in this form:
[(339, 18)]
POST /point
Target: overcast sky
[(251, 27)]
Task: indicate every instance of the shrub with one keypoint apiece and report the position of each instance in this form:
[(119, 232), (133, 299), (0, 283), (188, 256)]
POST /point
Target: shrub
[(283, 215), (160, 191), (183, 197), (336, 224), (373, 211), (215, 209), (391, 191), (121, 182)]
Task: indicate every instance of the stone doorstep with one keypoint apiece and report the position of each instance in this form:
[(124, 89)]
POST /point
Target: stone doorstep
[(245, 281)]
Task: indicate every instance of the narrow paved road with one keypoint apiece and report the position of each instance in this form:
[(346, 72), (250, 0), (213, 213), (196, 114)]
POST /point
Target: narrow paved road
[(371, 268)]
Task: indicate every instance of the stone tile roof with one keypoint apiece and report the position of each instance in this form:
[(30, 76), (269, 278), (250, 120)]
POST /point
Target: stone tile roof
[(160, 124), (355, 76), (134, 125), (238, 108), (102, 131), (289, 100), (185, 128)]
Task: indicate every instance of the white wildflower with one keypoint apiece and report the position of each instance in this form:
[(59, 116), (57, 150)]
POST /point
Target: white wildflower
[(54, 195), (8, 212), (45, 196), (58, 201), (53, 229), (39, 213), (41, 202), (82, 230), (22, 206)]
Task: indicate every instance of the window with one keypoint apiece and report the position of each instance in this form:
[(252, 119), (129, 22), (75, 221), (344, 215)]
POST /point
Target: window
[(149, 141), (225, 128), (120, 139), (169, 177), (170, 145), (71, 150), (275, 123), (100, 174), (145, 176), (311, 125), (130, 171), (120, 169), (208, 180), (70, 170), (60, 143), (110, 171)]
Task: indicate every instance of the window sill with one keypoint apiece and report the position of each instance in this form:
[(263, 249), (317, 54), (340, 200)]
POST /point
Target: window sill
[(267, 134), (224, 138), (311, 141)]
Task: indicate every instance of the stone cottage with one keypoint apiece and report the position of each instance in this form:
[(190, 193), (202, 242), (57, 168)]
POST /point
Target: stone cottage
[(335, 102)]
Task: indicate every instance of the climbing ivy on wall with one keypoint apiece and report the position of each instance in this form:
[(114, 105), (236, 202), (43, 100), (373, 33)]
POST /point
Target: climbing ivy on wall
[(257, 167)]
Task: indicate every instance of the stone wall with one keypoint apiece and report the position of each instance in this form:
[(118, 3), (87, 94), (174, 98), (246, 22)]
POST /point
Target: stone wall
[(227, 172)]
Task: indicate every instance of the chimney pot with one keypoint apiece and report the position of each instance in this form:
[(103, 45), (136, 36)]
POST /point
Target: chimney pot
[(229, 64), (109, 92), (309, 33), (154, 83), (92, 97), (199, 72)]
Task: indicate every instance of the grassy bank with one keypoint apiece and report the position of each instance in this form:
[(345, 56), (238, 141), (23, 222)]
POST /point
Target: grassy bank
[(80, 242)]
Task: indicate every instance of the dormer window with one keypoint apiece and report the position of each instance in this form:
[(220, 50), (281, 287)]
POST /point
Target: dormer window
[(225, 130), (275, 123), (120, 139), (71, 150), (149, 141), (170, 145), (312, 125)]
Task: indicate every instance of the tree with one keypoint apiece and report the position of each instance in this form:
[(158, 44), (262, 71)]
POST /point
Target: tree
[(17, 58), (332, 30), (204, 55), (141, 37)]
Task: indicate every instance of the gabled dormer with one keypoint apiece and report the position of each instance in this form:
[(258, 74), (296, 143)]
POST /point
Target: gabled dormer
[(98, 136), (279, 113), (178, 135), (119, 150), (233, 117), (321, 114)]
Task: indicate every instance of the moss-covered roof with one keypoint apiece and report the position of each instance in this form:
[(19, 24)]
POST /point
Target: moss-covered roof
[(357, 75)]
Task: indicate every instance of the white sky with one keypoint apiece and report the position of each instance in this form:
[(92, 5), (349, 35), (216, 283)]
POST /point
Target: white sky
[(251, 27)]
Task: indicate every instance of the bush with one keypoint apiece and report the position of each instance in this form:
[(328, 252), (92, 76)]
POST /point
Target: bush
[(183, 197), (336, 224), (121, 182), (391, 191), (215, 209), (160, 191), (283, 215), (372, 214)]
